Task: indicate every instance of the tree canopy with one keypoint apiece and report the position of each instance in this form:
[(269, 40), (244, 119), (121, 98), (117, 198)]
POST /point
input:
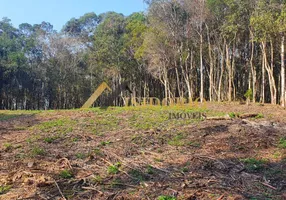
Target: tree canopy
[(216, 50)]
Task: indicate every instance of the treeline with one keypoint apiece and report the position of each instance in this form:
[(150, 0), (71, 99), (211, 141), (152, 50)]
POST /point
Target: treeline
[(218, 50)]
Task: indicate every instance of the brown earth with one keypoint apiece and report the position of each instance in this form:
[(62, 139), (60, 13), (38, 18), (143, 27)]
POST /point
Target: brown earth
[(138, 154)]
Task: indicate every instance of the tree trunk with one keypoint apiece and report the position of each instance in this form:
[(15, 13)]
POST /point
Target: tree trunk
[(211, 68), (269, 70), (221, 74), (228, 65), (282, 100), (253, 70), (201, 68)]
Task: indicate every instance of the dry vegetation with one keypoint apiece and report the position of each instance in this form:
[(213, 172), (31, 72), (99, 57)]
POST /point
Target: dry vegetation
[(138, 153)]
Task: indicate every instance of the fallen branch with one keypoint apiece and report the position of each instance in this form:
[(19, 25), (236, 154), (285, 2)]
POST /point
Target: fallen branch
[(221, 197), (93, 189), (60, 190), (270, 186), (226, 117), (121, 184), (248, 115)]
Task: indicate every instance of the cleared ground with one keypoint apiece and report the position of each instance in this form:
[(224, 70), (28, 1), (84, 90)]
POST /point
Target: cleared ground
[(139, 153)]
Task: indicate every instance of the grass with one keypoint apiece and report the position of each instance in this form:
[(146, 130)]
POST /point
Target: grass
[(8, 146), (282, 143), (50, 139), (81, 155), (259, 116), (37, 151), (232, 115), (253, 164), (4, 117), (194, 144), (138, 175), (66, 174), (150, 170), (104, 143), (4, 189), (97, 179), (113, 169), (145, 136), (61, 126), (177, 140), (166, 198)]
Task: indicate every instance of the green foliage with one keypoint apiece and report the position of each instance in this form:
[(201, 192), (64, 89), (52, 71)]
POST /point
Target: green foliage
[(138, 175), (194, 144), (4, 117), (50, 139), (81, 155), (248, 94), (58, 126), (37, 151), (97, 180), (114, 169), (4, 189), (66, 174), (253, 164), (150, 170), (166, 198), (177, 140), (282, 143), (185, 169), (232, 115), (8, 146), (259, 116), (104, 143)]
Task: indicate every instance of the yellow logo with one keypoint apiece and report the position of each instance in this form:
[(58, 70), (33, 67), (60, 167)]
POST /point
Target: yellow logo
[(95, 95), (134, 101)]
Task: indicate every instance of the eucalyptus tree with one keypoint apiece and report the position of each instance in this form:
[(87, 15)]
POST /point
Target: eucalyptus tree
[(108, 58), (135, 29), (281, 24), (12, 66), (263, 23)]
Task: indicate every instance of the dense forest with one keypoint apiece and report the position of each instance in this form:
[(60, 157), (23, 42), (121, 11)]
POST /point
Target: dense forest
[(217, 50)]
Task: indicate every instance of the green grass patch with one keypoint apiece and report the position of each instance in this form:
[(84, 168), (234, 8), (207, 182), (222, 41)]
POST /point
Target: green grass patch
[(96, 179), (150, 170), (232, 115), (194, 144), (113, 169), (37, 151), (259, 116), (61, 126), (282, 143), (66, 174), (50, 139), (81, 155), (4, 117), (8, 146), (4, 189), (166, 198), (253, 164), (8, 114), (104, 143), (177, 140), (138, 175)]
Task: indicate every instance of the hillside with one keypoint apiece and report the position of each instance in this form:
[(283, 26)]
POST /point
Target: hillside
[(139, 153)]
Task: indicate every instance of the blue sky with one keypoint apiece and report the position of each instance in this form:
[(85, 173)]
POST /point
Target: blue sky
[(58, 12)]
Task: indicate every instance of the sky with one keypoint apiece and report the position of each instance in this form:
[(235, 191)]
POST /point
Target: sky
[(58, 12)]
